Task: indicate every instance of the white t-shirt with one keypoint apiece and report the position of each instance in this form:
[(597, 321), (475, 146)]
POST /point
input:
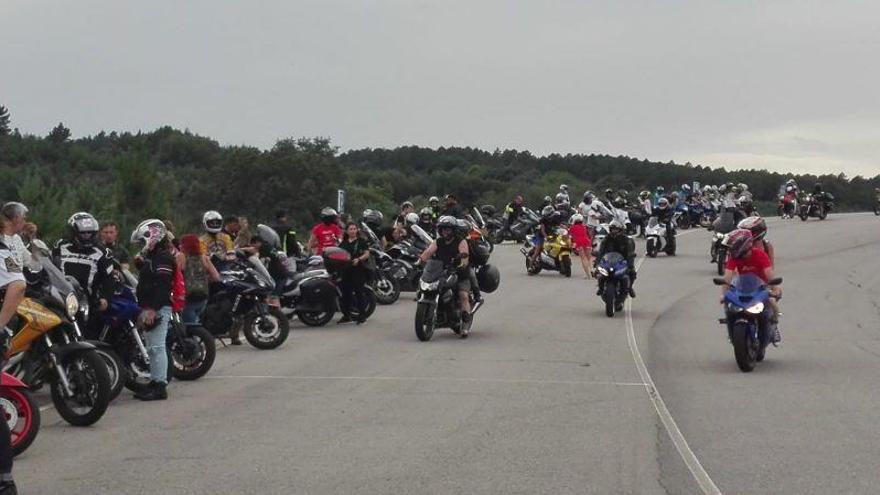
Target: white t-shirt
[(12, 260)]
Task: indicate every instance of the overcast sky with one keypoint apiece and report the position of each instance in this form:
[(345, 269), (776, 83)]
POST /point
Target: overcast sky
[(788, 85)]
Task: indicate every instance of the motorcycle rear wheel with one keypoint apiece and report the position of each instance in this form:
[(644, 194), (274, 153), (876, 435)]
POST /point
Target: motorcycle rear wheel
[(744, 350), (20, 409), (315, 318), (565, 266), (387, 289), (424, 323), (90, 382)]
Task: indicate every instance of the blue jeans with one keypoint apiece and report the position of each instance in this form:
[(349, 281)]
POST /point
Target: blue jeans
[(155, 342), (191, 314)]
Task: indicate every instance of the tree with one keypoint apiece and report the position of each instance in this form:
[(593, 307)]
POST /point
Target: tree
[(4, 121), (59, 134)]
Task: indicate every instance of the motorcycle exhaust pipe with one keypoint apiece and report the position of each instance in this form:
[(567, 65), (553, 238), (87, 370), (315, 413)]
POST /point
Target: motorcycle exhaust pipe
[(477, 306)]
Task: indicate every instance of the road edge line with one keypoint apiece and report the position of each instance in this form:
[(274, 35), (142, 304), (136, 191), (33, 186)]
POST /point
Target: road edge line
[(684, 450)]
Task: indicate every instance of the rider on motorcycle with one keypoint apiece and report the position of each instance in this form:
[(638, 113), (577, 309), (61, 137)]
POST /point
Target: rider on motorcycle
[(513, 210), (593, 210), (434, 204), (451, 249), (80, 256), (550, 219), (618, 242), (659, 192), (664, 213), (426, 221), (758, 228), (745, 258), (645, 204), (563, 190)]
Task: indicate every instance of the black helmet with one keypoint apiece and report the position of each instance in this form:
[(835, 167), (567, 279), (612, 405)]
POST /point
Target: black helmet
[(615, 228), (489, 278), (83, 228), (463, 226), (372, 217), (547, 211), (329, 215), (619, 203), (268, 238)]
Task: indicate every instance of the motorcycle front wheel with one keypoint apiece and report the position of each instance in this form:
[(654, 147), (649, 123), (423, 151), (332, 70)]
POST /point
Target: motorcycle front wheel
[(267, 331), (193, 355), (90, 386), (315, 318), (651, 248), (425, 317), (744, 350), (22, 413), (116, 369), (387, 289), (609, 297)]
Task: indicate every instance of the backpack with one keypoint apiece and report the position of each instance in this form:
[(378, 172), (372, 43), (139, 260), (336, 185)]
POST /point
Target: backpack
[(196, 278)]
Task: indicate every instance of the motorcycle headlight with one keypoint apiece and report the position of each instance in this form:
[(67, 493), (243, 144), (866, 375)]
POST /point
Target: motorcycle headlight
[(756, 309), (603, 271), (428, 286), (72, 304)]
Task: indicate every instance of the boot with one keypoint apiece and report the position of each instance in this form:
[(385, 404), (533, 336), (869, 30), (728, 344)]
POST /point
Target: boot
[(155, 391), (8, 488), (466, 320)]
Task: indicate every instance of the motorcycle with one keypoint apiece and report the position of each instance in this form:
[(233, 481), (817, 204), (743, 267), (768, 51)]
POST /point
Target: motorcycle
[(555, 256), (718, 251), (812, 207), (787, 206), (21, 412), (438, 301), (246, 297), (192, 348), (658, 239), (614, 282), (479, 233), (47, 348), (682, 216), (385, 286), (877, 206), (521, 228), (747, 318)]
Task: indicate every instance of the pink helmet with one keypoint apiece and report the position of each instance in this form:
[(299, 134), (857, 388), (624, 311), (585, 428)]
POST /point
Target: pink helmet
[(739, 242)]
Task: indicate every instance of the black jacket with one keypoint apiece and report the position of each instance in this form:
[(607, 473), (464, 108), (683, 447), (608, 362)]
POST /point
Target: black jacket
[(92, 267), (618, 244), (155, 279)]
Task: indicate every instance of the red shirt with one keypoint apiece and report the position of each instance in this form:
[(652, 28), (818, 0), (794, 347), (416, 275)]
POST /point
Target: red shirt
[(326, 235), (755, 263), (579, 235)]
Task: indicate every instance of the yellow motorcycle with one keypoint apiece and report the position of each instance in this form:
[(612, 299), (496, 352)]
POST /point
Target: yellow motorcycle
[(555, 256)]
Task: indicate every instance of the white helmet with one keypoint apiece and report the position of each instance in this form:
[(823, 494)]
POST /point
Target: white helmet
[(577, 218), (744, 187), (212, 221), (412, 218), (149, 233)]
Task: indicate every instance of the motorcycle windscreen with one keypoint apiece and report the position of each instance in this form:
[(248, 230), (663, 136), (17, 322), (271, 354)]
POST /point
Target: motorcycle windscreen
[(424, 236), (478, 218), (61, 286), (261, 270), (433, 271), (612, 259), (726, 222), (747, 284), (374, 239)]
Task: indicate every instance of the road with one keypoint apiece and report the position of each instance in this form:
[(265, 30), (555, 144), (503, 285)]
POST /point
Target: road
[(544, 397)]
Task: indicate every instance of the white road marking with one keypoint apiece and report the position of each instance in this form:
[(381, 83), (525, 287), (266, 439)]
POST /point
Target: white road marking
[(427, 378), (684, 450)]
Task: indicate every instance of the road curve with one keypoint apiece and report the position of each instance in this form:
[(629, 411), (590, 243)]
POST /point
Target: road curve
[(544, 397)]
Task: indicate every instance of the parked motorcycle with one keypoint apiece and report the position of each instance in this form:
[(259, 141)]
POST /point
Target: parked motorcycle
[(21, 412), (192, 348), (246, 297), (555, 256), (521, 228), (614, 282), (438, 301), (46, 348), (385, 286), (657, 239), (746, 308), (682, 216)]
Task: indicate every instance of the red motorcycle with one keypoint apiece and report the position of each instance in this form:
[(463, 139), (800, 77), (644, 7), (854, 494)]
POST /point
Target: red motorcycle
[(20, 411)]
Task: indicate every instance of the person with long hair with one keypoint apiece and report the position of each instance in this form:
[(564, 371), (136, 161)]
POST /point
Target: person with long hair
[(355, 276)]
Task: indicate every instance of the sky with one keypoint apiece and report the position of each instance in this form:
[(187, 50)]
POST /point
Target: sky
[(791, 86)]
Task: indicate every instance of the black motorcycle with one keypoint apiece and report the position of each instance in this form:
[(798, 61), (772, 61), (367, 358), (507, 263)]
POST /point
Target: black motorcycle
[(385, 286), (614, 282), (246, 297), (438, 302), (521, 228), (192, 348), (813, 206)]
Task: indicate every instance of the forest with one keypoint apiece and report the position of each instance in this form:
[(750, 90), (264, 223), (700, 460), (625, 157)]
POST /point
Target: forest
[(177, 175)]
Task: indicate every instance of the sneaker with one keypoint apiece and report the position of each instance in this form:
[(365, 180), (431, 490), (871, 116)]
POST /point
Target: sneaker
[(777, 337), (344, 319)]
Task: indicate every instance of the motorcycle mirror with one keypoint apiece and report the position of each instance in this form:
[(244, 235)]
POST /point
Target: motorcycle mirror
[(719, 281), (775, 281)]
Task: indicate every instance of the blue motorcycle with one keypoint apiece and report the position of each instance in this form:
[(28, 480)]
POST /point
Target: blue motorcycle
[(614, 282), (746, 306)]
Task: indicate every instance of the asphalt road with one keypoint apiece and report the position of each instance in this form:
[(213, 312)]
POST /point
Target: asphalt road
[(544, 397)]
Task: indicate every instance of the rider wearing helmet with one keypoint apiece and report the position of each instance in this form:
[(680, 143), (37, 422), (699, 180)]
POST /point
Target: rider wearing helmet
[(563, 206), (216, 243), (758, 227), (609, 195), (327, 233), (550, 219), (81, 256), (659, 192), (664, 213), (434, 204), (157, 266), (745, 258), (547, 201), (618, 242), (514, 210), (426, 221), (645, 204), (593, 211), (563, 190), (451, 249)]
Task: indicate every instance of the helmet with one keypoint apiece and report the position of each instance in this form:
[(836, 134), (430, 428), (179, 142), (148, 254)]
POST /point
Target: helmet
[(406, 204), (662, 203), (411, 218), (743, 187), (84, 228), (623, 193), (615, 227), (433, 200), (547, 211), (212, 221), (588, 197), (660, 189), (268, 237), (739, 242), (645, 194), (426, 215), (149, 233), (685, 188), (560, 198), (619, 203), (756, 225), (609, 192), (445, 223), (577, 218), (329, 215), (817, 186), (489, 278), (373, 218), (735, 189), (564, 188), (463, 225), (547, 200)]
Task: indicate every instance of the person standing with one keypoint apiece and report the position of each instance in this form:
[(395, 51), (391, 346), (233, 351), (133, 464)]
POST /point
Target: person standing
[(110, 240), (12, 289), (156, 267), (289, 244), (355, 276), (198, 272)]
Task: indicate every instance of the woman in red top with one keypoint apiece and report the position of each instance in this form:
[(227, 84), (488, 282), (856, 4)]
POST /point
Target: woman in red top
[(583, 245), (327, 233)]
